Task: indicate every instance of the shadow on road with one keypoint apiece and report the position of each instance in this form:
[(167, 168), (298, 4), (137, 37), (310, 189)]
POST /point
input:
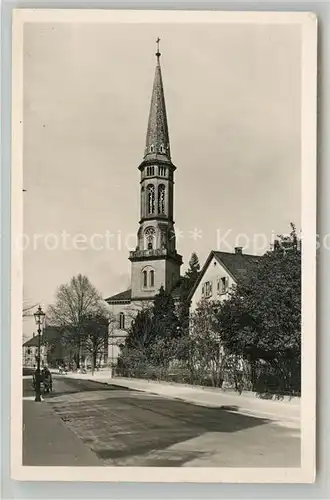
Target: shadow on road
[(159, 424), (138, 428)]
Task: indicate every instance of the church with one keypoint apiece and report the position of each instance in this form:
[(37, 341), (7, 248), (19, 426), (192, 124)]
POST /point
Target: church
[(155, 261)]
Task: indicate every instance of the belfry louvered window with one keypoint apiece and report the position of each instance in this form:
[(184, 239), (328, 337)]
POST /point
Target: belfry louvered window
[(151, 198), (161, 199)]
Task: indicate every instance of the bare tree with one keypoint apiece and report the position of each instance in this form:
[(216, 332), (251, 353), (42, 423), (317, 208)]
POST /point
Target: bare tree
[(96, 336), (75, 301), (28, 309)]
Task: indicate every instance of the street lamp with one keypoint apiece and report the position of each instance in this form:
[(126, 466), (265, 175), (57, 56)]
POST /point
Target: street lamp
[(39, 316)]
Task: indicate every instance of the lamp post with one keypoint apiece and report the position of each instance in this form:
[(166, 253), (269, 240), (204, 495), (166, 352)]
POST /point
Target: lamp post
[(39, 317)]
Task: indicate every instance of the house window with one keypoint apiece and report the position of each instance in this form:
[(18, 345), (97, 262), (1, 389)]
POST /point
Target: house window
[(152, 279), (161, 199), (222, 285), (121, 321), (145, 279), (207, 289)]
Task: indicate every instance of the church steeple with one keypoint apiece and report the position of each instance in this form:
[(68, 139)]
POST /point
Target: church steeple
[(155, 261), (157, 141)]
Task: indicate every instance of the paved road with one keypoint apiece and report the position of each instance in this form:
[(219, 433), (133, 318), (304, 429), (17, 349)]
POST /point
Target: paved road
[(132, 428)]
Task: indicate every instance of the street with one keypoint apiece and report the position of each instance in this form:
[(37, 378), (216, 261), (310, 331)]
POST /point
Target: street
[(88, 423)]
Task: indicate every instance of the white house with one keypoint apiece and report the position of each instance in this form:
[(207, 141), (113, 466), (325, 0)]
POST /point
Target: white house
[(30, 352), (220, 272)]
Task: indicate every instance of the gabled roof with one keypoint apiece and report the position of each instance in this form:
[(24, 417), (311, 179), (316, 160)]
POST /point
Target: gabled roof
[(49, 333), (33, 342), (238, 265), (120, 297)]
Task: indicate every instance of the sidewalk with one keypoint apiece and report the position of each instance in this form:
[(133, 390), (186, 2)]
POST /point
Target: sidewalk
[(48, 442), (286, 413)]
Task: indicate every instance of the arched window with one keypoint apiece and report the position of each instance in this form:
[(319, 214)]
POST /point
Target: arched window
[(148, 277), (161, 199), (145, 279), (150, 237), (151, 198), (121, 321)]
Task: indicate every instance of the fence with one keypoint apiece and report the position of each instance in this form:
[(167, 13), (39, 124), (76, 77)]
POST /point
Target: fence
[(266, 379)]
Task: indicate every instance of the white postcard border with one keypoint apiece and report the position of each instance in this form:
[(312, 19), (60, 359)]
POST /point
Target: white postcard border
[(304, 474)]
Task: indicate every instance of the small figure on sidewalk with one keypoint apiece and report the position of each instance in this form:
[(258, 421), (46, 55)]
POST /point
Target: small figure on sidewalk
[(62, 370)]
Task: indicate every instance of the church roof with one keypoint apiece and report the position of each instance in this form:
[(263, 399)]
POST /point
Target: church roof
[(122, 296), (157, 140), (238, 265)]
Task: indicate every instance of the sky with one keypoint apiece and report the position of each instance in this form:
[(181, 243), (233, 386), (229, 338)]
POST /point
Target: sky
[(233, 106)]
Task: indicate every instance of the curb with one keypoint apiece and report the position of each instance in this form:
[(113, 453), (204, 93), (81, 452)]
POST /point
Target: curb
[(284, 421)]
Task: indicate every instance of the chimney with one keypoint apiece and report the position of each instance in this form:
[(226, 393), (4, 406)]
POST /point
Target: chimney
[(276, 244), (238, 250)]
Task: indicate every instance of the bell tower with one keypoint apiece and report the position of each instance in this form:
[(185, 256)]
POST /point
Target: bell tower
[(155, 261)]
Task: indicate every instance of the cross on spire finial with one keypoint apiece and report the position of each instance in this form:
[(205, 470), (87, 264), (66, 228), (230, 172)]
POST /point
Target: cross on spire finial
[(158, 53)]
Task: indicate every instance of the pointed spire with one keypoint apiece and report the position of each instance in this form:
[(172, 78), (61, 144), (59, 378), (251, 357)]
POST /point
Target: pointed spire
[(158, 54), (157, 141)]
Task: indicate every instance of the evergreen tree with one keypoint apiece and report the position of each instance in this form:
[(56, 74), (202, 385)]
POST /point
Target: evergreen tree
[(187, 282), (193, 270), (141, 332), (165, 321)]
